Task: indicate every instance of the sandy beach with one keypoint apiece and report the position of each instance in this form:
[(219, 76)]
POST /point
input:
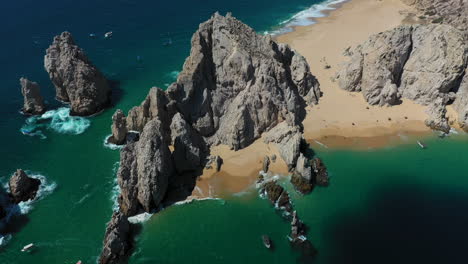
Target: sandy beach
[(344, 119), (341, 119)]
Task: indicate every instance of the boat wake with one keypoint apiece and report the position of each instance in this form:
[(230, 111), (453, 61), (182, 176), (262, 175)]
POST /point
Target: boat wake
[(305, 17), (58, 120)]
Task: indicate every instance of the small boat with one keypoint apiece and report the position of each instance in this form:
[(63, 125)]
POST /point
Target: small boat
[(108, 34), (92, 35), (79, 262), (422, 145), (266, 241), (27, 247)]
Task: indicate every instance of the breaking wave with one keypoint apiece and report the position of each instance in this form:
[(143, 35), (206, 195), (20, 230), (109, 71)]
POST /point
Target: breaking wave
[(58, 120), (305, 17)]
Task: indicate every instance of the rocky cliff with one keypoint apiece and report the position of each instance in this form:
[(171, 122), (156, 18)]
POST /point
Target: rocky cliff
[(75, 78), (424, 63), (234, 86), (33, 101)]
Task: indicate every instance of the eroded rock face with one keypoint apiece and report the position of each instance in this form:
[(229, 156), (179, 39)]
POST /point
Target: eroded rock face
[(288, 140), (22, 187), (155, 105), (236, 84), (145, 170), (75, 78), (189, 147), (461, 102), (302, 179), (33, 101), (424, 63), (116, 240), (119, 128), (450, 12), (319, 170)]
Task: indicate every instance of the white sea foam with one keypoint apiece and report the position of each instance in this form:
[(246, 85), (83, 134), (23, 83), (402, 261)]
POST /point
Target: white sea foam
[(140, 218), (109, 145), (115, 188), (173, 75), (45, 189), (58, 120), (4, 239), (189, 201), (305, 17)]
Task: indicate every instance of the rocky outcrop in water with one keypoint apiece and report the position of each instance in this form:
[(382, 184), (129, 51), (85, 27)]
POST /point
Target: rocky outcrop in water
[(234, 86), (22, 187), (33, 101), (424, 63), (75, 78), (119, 128), (117, 240), (320, 171)]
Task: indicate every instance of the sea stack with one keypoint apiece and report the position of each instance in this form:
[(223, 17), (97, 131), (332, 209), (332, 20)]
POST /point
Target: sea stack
[(22, 187), (119, 128), (75, 78), (117, 239), (33, 101)]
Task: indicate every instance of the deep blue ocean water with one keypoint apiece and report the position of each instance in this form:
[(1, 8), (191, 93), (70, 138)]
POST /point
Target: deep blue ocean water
[(392, 205)]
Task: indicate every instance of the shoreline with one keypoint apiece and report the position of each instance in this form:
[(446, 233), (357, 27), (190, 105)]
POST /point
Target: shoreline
[(343, 115), (341, 120)]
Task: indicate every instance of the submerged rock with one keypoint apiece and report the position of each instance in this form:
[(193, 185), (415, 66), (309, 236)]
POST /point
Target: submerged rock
[(33, 101), (117, 240), (75, 78), (277, 195), (119, 128), (22, 187)]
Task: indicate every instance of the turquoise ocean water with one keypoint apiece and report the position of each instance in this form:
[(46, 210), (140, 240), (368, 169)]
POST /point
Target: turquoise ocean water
[(398, 204)]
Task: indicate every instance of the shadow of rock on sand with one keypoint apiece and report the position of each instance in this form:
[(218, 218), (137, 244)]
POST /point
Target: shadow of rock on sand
[(403, 224)]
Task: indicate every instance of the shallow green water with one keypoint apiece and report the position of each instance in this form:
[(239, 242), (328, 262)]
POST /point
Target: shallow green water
[(400, 204)]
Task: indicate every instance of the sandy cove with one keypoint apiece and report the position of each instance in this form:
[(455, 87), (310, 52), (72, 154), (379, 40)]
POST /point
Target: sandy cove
[(341, 119)]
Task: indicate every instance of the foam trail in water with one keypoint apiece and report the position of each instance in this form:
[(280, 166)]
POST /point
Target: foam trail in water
[(58, 120), (304, 18), (140, 218), (116, 188), (4, 239), (109, 145)]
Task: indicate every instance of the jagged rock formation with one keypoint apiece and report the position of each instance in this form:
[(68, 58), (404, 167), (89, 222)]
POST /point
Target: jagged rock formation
[(451, 12), (234, 86), (119, 128), (461, 103), (145, 170), (277, 195), (22, 187), (117, 240), (301, 178), (217, 161), (266, 164), (155, 105), (33, 101), (288, 139), (75, 78), (424, 63), (320, 171)]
